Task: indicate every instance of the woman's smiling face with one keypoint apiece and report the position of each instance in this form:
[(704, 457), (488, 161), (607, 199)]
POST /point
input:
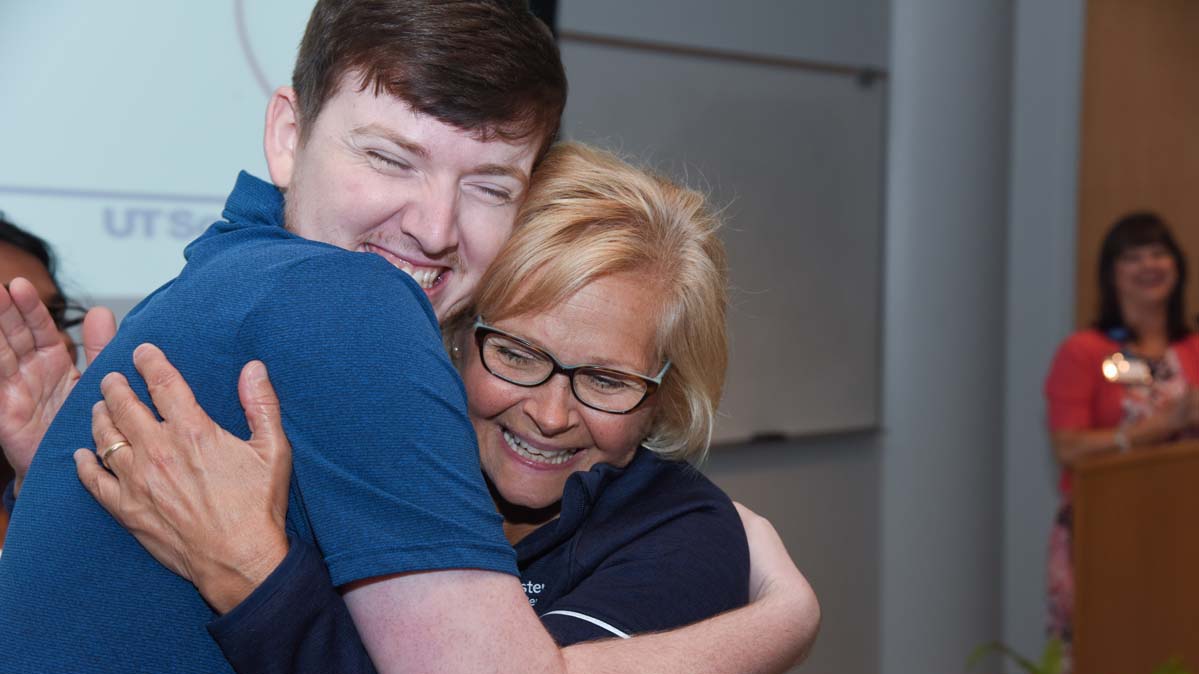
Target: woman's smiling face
[(532, 439), (1145, 275)]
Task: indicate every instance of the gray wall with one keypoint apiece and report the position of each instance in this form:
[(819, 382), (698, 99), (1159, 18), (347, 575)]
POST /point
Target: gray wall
[(1046, 90), (943, 370), (976, 301), (960, 466), (792, 157), (841, 32), (927, 538), (822, 494)]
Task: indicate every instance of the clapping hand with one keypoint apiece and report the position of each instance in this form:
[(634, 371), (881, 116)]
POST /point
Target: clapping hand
[(37, 371)]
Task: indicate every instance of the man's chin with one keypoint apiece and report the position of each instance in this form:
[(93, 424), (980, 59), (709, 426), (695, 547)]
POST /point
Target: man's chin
[(447, 310)]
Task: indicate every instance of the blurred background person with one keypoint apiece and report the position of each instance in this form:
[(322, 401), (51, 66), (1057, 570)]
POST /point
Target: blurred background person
[(27, 256), (1128, 381)]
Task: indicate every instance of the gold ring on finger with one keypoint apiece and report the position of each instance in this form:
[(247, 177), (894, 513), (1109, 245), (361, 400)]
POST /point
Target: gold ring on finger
[(109, 450)]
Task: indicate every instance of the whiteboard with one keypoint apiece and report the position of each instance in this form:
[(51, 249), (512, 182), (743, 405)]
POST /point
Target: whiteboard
[(124, 124), (796, 159)]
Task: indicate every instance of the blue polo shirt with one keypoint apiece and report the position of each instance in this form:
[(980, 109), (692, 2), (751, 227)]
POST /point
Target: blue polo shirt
[(645, 548), (386, 475)]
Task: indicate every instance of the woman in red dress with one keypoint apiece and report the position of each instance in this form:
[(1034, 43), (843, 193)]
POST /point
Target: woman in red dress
[(1129, 381)]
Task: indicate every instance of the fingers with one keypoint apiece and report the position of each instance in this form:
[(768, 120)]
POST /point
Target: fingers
[(171, 395), (106, 436), (9, 361), (124, 411), (103, 487), (35, 317), (99, 326), (260, 402), (15, 338)]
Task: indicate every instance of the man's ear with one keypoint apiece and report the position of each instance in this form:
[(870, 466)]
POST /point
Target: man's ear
[(282, 138)]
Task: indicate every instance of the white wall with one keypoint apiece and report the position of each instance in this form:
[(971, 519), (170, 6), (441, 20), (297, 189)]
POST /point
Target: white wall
[(941, 510), (1046, 91)]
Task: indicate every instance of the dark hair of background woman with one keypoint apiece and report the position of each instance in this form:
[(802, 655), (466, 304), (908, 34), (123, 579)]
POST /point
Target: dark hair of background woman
[(64, 312), (1132, 231)]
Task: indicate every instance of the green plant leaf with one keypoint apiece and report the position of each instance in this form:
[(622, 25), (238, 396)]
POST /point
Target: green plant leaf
[(1051, 659), (998, 647)]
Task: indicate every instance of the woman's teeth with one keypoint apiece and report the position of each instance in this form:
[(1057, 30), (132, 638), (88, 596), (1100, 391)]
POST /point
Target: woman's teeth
[(540, 456)]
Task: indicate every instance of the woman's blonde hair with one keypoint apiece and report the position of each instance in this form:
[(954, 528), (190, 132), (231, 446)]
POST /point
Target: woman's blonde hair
[(589, 215)]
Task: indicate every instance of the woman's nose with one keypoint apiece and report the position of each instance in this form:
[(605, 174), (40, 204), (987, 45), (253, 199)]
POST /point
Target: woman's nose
[(552, 406)]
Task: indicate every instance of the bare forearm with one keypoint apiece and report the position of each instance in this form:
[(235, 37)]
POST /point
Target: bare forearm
[(766, 637), (471, 621), (1071, 446), (772, 634)]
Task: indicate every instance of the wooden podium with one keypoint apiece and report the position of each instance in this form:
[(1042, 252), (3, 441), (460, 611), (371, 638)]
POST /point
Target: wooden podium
[(1136, 560)]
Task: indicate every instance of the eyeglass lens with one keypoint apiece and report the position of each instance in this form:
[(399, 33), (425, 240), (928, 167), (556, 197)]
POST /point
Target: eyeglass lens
[(520, 364)]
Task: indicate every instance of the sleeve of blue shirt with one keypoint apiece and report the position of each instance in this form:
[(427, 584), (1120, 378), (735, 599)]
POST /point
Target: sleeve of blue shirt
[(294, 623), (688, 569), (386, 474)]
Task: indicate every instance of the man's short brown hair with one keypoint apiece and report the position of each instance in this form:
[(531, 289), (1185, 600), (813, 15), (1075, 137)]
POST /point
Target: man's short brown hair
[(485, 66)]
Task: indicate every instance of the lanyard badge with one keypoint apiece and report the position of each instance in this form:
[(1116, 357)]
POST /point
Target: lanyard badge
[(1120, 368)]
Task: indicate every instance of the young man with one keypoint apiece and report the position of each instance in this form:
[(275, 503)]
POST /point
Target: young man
[(410, 134)]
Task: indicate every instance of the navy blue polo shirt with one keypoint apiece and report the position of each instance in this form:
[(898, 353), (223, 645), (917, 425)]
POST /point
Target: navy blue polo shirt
[(645, 548), (349, 340)]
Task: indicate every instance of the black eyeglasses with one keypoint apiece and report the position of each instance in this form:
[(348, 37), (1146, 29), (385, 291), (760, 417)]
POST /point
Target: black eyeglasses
[(66, 314), (601, 388)]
